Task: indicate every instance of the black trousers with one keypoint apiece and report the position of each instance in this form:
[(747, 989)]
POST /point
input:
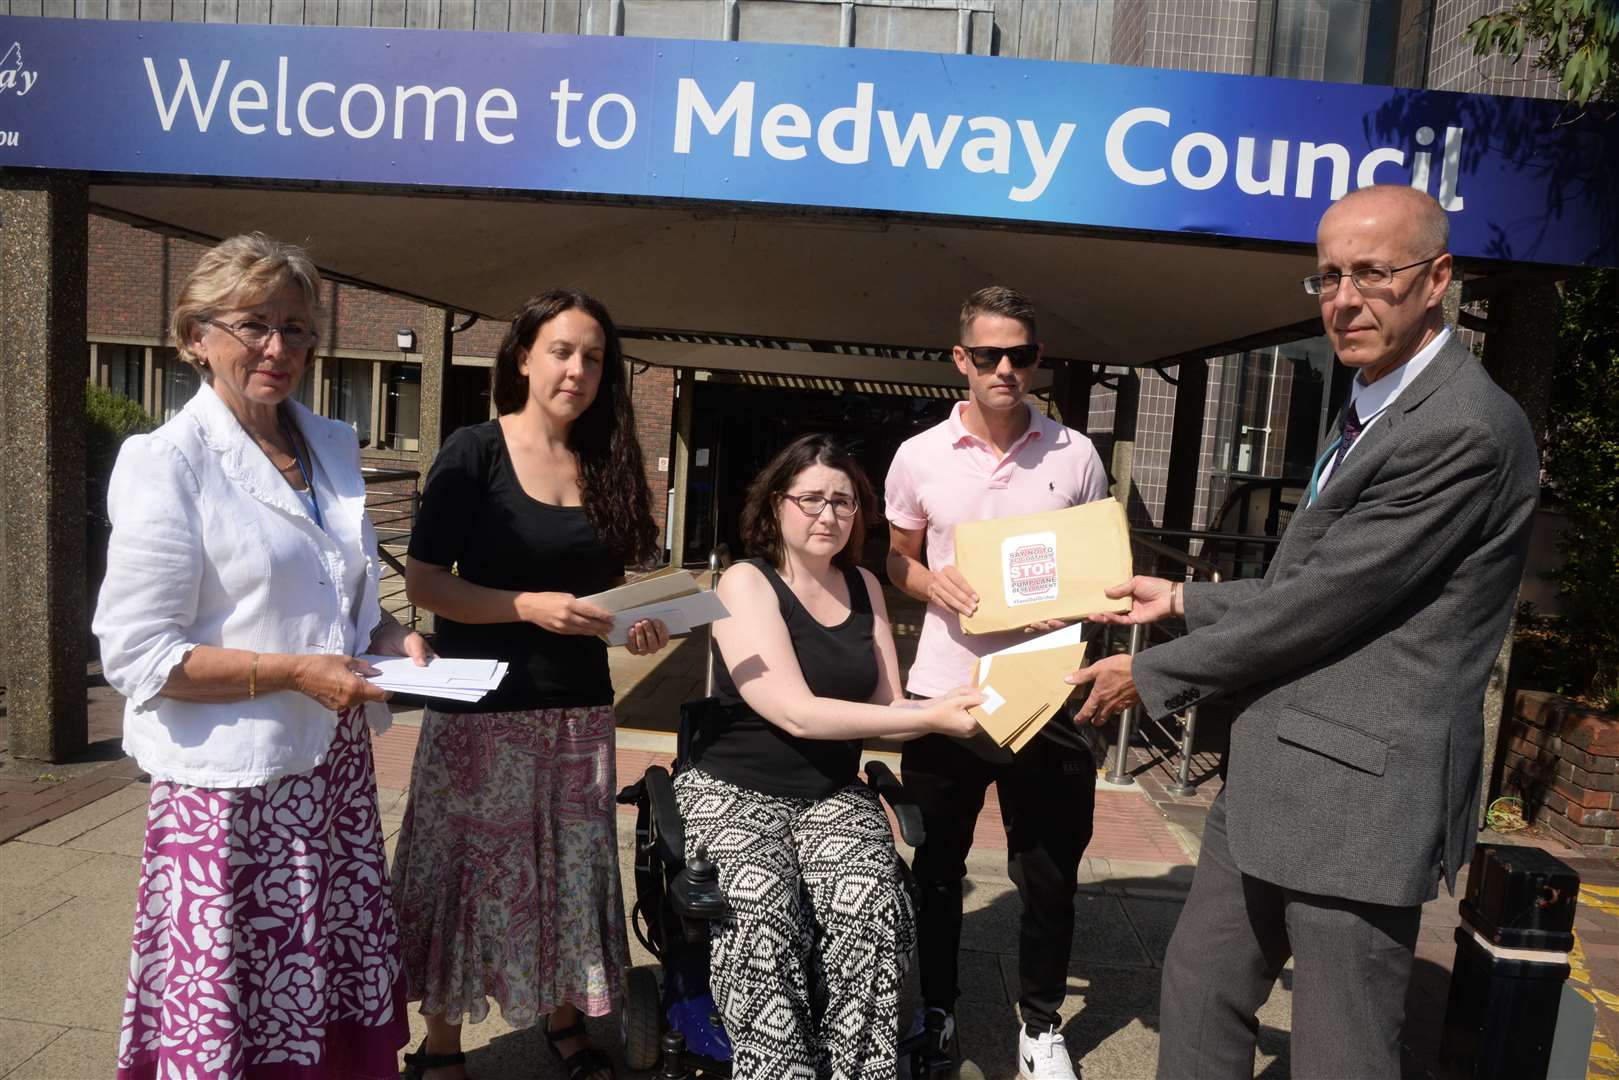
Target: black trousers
[(1351, 964), (1048, 799)]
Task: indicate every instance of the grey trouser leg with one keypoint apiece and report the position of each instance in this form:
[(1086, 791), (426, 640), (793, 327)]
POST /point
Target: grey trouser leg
[(1225, 954), (1351, 965)]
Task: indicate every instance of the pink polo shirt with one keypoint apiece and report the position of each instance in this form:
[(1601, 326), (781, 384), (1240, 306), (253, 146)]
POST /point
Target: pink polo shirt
[(947, 475)]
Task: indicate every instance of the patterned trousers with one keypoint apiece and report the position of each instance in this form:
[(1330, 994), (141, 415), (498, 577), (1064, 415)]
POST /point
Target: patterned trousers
[(806, 974)]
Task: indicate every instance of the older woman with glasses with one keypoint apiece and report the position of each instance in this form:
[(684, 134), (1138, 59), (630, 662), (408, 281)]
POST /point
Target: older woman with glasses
[(806, 972), (241, 580)]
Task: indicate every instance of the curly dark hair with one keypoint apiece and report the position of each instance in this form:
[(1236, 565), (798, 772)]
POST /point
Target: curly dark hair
[(761, 530), (612, 481)]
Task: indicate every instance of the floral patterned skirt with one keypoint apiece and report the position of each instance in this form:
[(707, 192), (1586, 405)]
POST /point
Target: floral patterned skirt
[(506, 874), (265, 944)]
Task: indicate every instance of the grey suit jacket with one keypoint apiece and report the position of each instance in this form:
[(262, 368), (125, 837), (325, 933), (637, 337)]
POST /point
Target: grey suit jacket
[(1358, 664)]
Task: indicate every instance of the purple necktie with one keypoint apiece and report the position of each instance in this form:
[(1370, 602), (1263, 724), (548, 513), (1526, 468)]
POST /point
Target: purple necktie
[(1346, 439)]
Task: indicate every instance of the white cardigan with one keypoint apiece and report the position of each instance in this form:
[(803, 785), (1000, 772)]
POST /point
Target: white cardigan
[(210, 546)]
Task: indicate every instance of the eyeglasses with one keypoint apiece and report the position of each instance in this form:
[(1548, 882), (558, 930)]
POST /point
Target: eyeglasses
[(255, 334), (988, 357), (812, 504), (1367, 277)]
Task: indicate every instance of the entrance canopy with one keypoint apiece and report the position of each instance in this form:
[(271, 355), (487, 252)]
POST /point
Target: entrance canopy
[(812, 195)]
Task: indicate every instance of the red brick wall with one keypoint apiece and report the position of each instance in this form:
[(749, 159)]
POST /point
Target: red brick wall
[(1564, 762), (129, 292)]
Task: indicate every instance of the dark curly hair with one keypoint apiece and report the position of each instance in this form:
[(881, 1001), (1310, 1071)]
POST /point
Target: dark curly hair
[(761, 531), (612, 481)]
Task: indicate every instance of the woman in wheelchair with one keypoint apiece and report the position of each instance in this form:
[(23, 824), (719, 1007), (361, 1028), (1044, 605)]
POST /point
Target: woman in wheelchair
[(806, 972)]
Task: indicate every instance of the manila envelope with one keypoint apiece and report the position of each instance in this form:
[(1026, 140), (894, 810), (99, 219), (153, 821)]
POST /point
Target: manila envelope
[(1023, 685), (1044, 566)]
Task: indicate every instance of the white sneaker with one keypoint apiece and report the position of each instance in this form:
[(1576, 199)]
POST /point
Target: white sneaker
[(1043, 1057)]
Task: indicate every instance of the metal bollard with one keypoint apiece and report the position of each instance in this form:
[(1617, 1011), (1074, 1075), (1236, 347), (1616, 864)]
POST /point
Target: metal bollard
[(1119, 774), (1507, 987)]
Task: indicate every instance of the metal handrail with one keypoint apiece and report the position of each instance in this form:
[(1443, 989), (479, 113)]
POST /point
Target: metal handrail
[(719, 557), (1129, 718)]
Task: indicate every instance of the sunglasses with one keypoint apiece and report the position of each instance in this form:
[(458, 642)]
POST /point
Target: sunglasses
[(987, 358)]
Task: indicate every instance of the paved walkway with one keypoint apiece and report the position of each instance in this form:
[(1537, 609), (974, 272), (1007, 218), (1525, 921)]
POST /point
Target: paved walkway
[(68, 876)]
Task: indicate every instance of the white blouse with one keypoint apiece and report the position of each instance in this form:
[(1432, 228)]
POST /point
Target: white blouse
[(210, 546)]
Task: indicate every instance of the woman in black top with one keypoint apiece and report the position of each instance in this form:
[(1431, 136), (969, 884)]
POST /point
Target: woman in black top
[(506, 874), (806, 974)]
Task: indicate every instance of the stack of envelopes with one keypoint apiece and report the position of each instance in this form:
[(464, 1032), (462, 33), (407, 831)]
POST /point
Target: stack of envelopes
[(671, 594), (444, 677), (1052, 565), (1023, 685)]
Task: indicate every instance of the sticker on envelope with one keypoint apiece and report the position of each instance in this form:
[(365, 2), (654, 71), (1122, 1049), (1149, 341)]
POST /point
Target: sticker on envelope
[(1030, 565)]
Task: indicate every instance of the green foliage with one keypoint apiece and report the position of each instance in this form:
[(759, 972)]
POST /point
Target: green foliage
[(1582, 468), (109, 419), (1578, 40)]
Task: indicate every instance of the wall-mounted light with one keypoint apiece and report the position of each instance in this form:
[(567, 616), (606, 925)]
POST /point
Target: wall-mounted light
[(406, 340)]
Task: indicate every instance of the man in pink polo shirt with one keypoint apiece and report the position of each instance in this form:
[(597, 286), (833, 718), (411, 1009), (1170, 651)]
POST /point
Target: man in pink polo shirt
[(995, 456)]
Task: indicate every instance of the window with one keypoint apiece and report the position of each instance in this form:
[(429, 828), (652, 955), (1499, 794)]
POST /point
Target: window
[(123, 370), (180, 383), (402, 406), (348, 394)]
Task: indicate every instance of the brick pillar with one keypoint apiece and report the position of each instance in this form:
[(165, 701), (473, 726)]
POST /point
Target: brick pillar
[(44, 240)]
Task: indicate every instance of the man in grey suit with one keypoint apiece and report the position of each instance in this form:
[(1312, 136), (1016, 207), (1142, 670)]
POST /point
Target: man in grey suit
[(1357, 668)]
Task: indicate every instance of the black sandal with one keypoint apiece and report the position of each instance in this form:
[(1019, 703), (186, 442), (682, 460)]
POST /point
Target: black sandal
[(417, 1064), (581, 1064)]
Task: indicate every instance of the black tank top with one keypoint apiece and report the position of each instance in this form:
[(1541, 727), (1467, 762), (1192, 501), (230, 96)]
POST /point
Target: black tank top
[(737, 745)]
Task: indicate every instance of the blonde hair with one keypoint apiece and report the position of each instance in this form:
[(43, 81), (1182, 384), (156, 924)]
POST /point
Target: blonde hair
[(243, 269)]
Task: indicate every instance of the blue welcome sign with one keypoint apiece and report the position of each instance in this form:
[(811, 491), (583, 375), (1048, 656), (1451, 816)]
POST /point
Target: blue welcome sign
[(901, 132)]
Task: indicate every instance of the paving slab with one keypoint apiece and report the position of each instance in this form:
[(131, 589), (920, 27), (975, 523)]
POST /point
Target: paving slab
[(83, 820), (103, 876), (1154, 921), (24, 865), (20, 1041), (123, 835), (22, 904), (69, 964), (77, 1054)]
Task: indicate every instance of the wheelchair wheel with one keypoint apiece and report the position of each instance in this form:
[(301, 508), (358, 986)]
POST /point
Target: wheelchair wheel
[(642, 1022)]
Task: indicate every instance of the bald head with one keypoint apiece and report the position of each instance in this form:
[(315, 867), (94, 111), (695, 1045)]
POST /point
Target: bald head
[(1415, 214)]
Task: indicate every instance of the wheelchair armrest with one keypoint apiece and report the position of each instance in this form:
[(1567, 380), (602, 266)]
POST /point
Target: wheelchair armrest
[(670, 831), (881, 779)]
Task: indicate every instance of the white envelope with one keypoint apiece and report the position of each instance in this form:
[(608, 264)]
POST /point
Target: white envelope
[(455, 678), (681, 615)]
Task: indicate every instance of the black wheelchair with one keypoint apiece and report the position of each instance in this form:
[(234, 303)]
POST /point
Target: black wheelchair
[(671, 1022)]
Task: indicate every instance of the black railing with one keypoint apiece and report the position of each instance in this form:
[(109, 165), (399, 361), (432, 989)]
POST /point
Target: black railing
[(391, 497)]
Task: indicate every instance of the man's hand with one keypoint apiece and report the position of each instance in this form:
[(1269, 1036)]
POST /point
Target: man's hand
[(1046, 626), (1151, 599), (948, 589), (1113, 689)]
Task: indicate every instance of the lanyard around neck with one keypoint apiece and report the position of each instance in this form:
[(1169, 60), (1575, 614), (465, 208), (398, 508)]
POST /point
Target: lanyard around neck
[(305, 471)]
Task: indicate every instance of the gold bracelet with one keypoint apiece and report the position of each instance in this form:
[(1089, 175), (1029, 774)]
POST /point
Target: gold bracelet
[(1177, 598), (253, 678)]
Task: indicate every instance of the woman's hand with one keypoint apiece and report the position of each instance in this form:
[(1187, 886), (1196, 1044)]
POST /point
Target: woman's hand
[(647, 637), (397, 639), (563, 613), (948, 715), (335, 681)]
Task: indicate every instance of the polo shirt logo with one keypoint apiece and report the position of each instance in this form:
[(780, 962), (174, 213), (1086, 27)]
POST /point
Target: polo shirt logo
[(1030, 566)]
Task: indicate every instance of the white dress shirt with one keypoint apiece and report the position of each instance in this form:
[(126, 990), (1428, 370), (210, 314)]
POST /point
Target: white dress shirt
[(1372, 400), (210, 546)]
